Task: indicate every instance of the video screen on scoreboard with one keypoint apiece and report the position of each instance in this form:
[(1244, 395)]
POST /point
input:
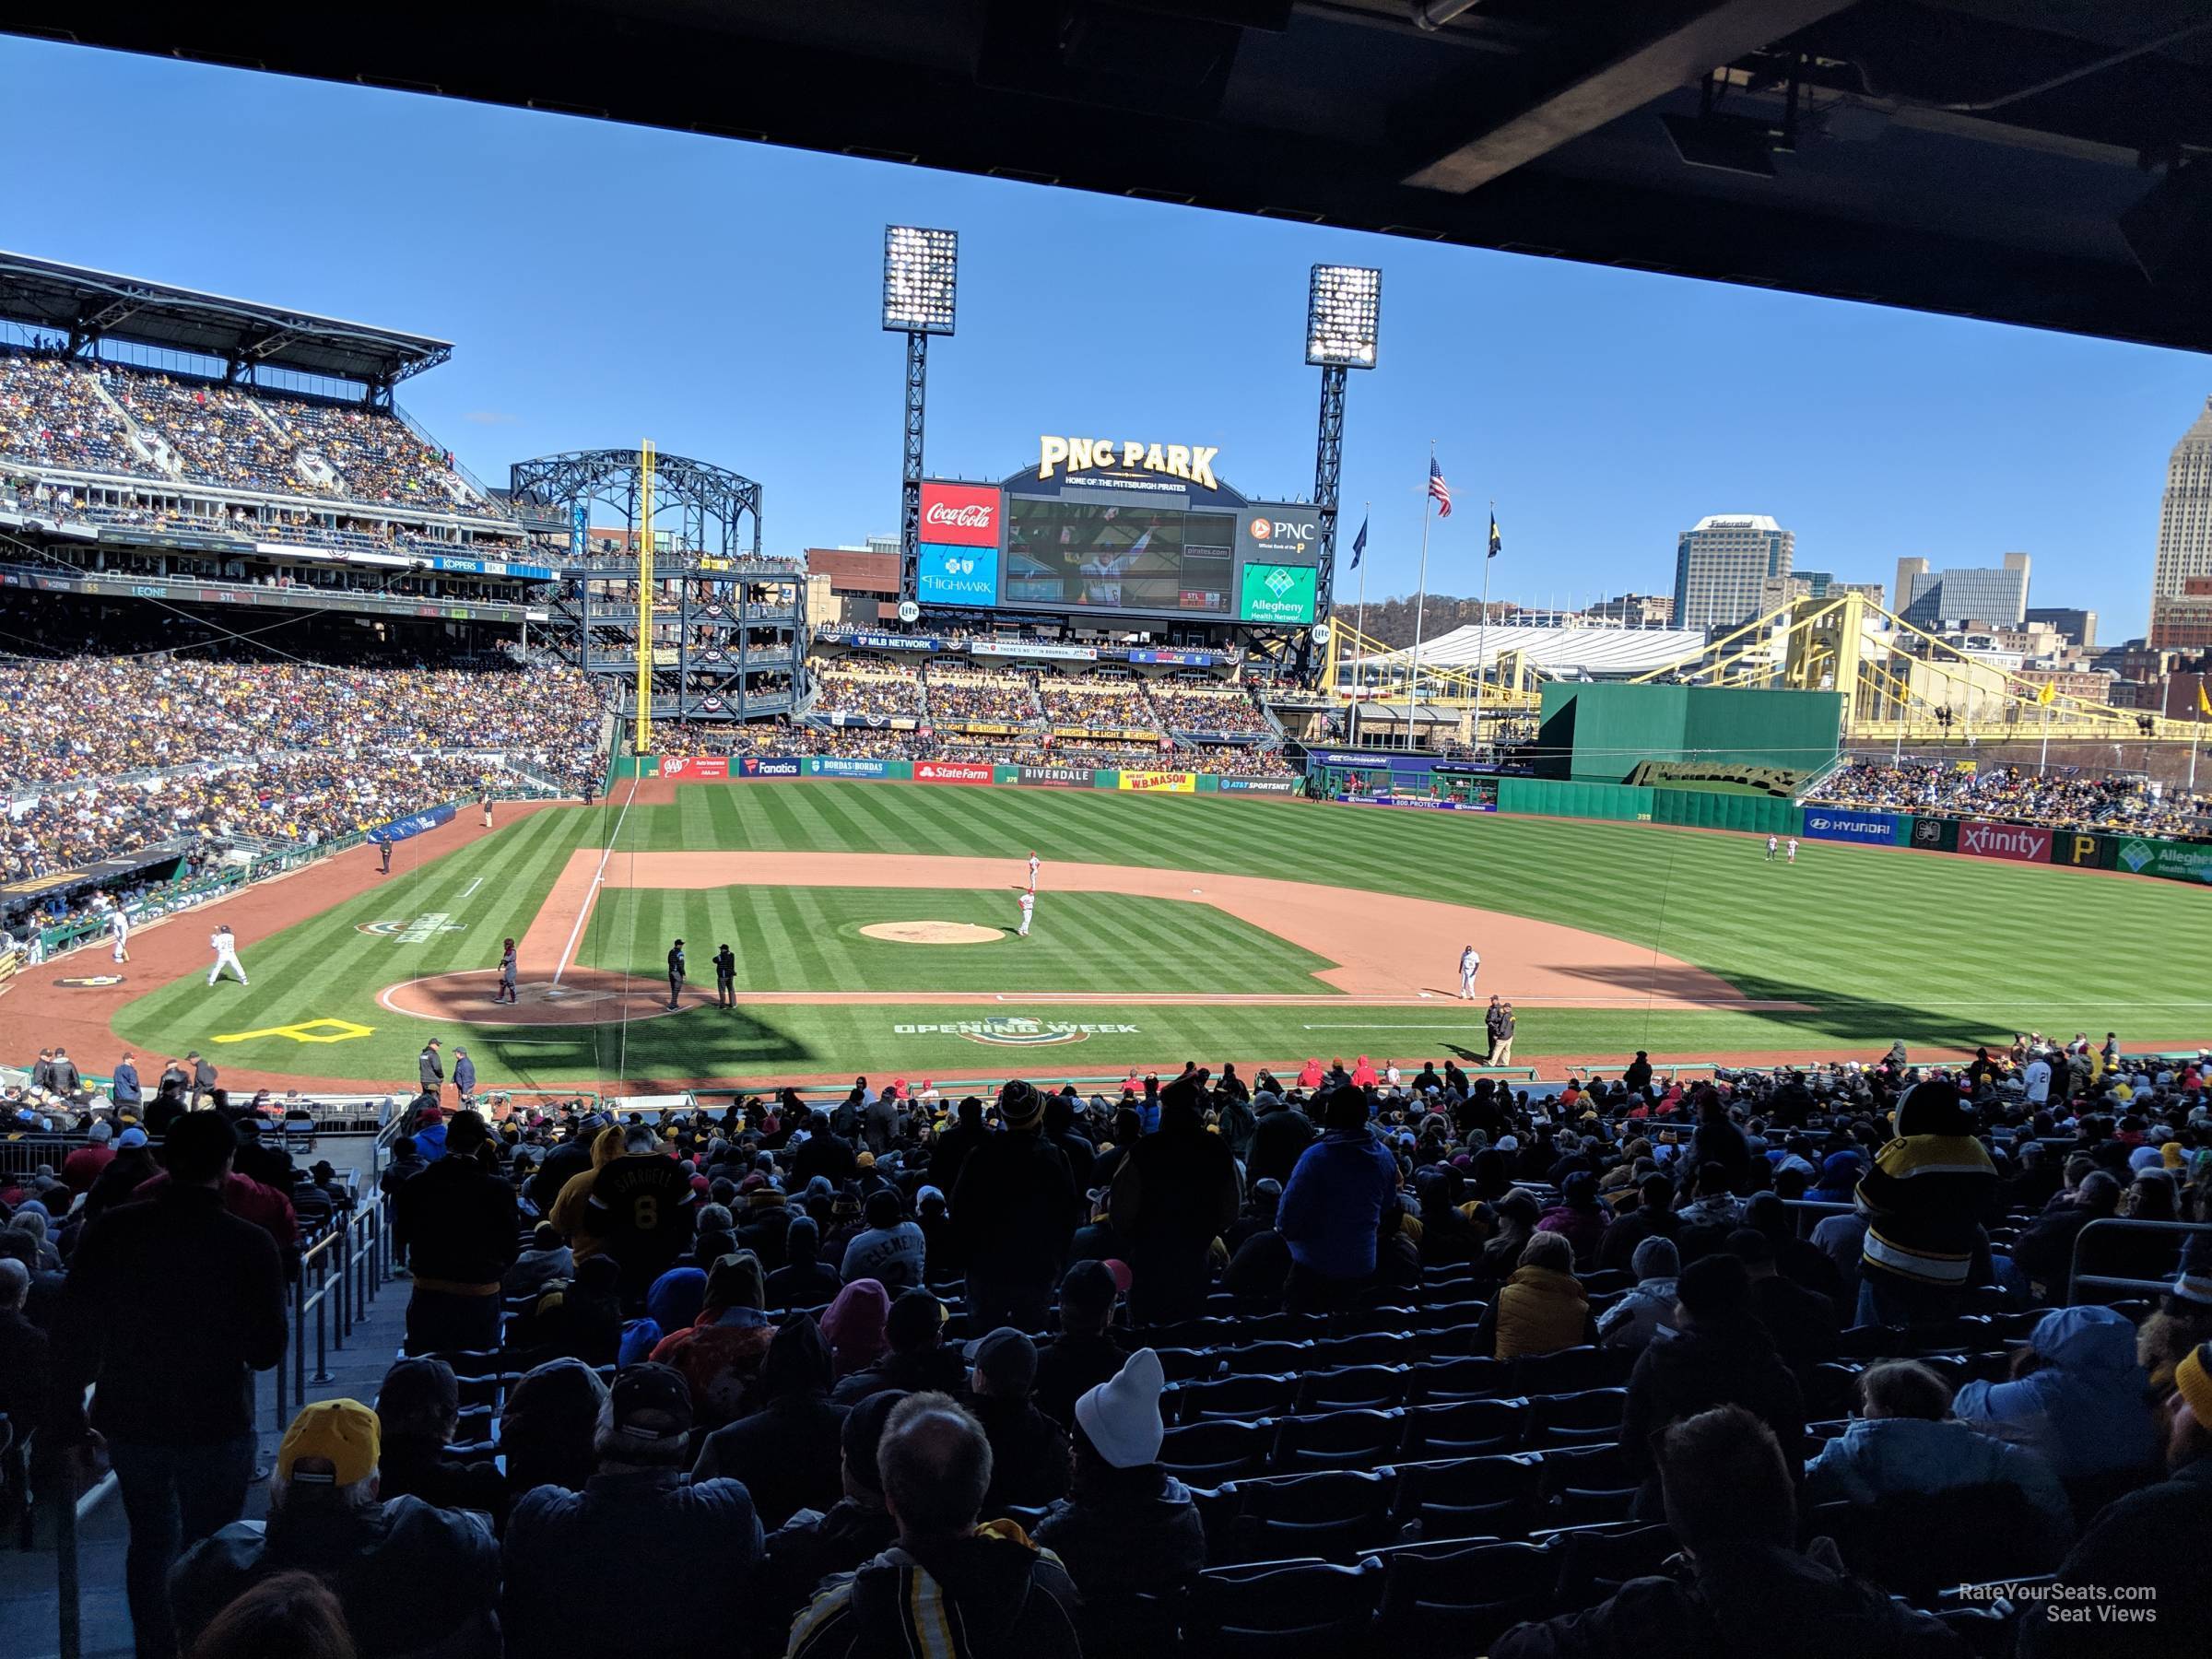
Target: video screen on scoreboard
[(1090, 556)]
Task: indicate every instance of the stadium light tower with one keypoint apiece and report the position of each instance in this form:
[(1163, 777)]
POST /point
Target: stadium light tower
[(1343, 308), (920, 284)]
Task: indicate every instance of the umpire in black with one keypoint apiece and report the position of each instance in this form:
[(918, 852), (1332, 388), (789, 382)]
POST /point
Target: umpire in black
[(675, 971), (726, 978)]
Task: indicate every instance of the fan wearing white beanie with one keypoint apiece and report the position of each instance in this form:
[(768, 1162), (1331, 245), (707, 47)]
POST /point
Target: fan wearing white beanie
[(1127, 1523)]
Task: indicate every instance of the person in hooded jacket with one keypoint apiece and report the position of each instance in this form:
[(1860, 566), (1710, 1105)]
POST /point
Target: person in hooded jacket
[(1126, 1523), (854, 1327), (1905, 1440), (814, 1543), (1748, 1591), (802, 1281), (1721, 1357), (960, 1590), (1541, 1307), (1579, 1216), (546, 1426), (720, 1354), (787, 1451), (1635, 1321), (1924, 1200), (2078, 1396)]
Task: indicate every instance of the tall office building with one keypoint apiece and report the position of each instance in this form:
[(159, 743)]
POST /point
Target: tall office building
[(2079, 627), (1722, 563), (1931, 598), (2185, 520)]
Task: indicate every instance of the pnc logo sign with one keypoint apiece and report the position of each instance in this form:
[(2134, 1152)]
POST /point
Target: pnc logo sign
[(1193, 462)]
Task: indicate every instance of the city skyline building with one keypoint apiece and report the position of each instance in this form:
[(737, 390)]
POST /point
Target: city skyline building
[(1722, 564), (1930, 599), (2185, 517)]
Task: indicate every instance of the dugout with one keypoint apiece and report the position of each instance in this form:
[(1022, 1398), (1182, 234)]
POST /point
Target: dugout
[(1706, 738)]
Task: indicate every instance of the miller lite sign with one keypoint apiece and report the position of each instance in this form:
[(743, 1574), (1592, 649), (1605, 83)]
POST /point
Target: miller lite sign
[(961, 515)]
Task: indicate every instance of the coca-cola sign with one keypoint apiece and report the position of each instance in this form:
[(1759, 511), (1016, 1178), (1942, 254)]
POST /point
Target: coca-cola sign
[(961, 515), (2024, 843)]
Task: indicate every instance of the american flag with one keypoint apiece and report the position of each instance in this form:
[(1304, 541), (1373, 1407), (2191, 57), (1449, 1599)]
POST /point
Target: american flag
[(1439, 492)]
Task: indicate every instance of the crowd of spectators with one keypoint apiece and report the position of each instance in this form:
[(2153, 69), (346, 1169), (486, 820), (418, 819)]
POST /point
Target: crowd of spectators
[(109, 755), (1097, 701), (775, 1321), (1226, 709), (2062, 797), (58, 412), (960, 691), (889, 689)]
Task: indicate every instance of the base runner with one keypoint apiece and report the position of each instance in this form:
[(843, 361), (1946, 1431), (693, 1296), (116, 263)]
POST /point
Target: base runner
[(1470, 964)]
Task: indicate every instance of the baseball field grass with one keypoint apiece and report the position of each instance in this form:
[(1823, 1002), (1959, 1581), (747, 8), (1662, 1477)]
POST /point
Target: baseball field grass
[(1874, 944)]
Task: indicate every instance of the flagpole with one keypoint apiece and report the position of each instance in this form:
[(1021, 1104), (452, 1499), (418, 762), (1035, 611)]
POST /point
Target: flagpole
[(1367, 510), (1420, 601), (1482, 623)]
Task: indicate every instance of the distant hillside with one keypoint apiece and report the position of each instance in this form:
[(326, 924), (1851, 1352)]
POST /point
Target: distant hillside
[(1389, 621)]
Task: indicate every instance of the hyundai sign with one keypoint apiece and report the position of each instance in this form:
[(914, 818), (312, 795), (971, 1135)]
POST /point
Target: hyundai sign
[(1875, 828)]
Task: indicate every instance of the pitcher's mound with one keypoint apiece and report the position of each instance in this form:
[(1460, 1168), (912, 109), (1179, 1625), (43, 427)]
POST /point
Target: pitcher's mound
[(932, 932)]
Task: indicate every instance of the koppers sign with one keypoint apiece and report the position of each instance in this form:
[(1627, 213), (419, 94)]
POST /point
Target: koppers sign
[(1161, 783), (950, 771), (2024, 843), (1875, 828), (700, 766), (961, 515)]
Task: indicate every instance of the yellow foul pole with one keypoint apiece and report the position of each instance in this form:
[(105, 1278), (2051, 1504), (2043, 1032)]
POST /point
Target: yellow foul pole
[(645, 462)]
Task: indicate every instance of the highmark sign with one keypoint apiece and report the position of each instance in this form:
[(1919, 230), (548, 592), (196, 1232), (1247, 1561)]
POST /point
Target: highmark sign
[(1190, 461)]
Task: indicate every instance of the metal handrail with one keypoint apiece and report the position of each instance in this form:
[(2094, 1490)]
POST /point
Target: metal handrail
[(2075, 1278)]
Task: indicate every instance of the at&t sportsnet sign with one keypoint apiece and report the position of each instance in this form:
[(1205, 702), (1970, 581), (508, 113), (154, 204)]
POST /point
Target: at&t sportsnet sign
[(1873, 829)]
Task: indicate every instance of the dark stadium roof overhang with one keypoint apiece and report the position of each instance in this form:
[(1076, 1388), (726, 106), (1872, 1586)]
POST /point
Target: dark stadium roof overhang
[(88, 305), (2045, 162)]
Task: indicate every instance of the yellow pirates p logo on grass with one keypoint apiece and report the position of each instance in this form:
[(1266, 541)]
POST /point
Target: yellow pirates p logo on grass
[(310, 1030)]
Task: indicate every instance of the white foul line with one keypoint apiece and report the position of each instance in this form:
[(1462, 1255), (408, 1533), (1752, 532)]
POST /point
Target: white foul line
[(598, 876), (471, 887)]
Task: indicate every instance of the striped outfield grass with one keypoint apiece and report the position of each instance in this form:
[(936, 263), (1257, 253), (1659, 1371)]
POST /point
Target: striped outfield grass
[(810, 939), (1881, 944)]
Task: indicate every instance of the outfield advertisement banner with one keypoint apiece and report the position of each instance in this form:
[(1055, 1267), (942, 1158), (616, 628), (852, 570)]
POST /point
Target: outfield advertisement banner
[(1875, 828), (415, 823), (2023, 843), (716, 767), (950, 771), (839, 766), (2176, 861), (770, 766), (1425, 802), (1261, 786), (1159, 783), (1053, 776), (1935, 835), (2082, 851)]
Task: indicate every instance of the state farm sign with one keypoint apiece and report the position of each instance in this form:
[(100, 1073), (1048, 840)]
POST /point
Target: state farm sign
[(2023, 843), (950, 771), (961, 515)]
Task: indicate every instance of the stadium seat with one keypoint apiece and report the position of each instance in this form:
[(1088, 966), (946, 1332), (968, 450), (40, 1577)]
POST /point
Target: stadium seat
[(1467, 1497), (1189, 1365), (1569, 1370), (1333, 1514), (1377, 1386), (1356, 1439), (1590, 1418), (1211, 1452), (1131, 1623), (1595, 1561), (1459, 1337), (1458, 1599), (1831, 1387), (1269, 1359), (1380, 1348), (1468, 1379), (1917, 1544), (1870, 1342), (1240, 1398), (1465, 1429), (1374, 1321), (1283, 1610)]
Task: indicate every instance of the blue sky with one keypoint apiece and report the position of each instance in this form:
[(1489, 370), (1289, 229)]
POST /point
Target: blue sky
[(604, 284)]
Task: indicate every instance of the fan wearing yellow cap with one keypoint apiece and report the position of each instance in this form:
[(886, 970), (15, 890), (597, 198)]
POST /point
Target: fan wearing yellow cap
[(409, 1577)]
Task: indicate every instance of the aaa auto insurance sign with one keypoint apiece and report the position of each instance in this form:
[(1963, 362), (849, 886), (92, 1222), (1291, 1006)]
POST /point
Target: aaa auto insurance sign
[(2022, 842), (961, 515)]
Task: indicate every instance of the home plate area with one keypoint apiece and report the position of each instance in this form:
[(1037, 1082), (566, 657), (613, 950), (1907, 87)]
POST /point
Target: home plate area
[(1388, 949)]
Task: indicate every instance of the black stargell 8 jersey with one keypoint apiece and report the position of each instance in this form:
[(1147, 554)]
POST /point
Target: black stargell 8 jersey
[(640, 1204)]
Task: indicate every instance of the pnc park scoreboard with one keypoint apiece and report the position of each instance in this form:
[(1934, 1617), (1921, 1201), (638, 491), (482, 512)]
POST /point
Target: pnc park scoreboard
[(1118, 529)]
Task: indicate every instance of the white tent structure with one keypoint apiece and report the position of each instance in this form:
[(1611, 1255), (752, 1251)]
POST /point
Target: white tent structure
[(1556, 652)]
